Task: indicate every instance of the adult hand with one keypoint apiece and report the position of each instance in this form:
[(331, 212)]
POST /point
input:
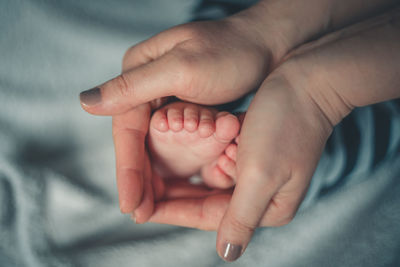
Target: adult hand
[(286, 127), (203, 62)]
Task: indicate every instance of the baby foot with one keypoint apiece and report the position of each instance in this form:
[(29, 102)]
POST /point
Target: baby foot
[(183, 137)]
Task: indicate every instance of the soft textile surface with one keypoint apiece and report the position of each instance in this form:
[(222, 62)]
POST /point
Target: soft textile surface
[(58, 199)]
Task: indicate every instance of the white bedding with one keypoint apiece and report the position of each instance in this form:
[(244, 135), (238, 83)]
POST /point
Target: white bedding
[(58, 199)]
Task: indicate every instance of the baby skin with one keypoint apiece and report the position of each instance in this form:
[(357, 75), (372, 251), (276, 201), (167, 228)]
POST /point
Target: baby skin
[(185, 139)]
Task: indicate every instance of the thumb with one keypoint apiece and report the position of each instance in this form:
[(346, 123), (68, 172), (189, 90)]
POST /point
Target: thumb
[(143, 84), (244, 213)]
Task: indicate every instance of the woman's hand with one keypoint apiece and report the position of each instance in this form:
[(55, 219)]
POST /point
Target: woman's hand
[(202, 62), (286, 127)]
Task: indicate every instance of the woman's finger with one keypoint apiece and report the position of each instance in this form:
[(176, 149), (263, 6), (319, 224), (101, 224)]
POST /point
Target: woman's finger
[(143, 212), (201, 213), (149, 71), (129, 132), (184, 189), (205, 211), (158, 186), (139, 85), (246, 209)]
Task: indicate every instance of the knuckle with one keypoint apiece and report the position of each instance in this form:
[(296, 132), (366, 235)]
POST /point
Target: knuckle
[(286, 215), (287, 211), (127, 56), (242, 225), (188, 63), (122, 85), (130, 51), (190, 31), (285, 220), (134, 56), (288, 219)]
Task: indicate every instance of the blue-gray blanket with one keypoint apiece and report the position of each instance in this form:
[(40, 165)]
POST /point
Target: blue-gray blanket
[(58, 199)]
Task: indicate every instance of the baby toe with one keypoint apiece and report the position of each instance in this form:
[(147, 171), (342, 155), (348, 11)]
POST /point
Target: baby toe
[(175, 119), (214, 177), (231, 151), (191, 118), (159, 121), (227, 127), (227, 165), (206, 124)]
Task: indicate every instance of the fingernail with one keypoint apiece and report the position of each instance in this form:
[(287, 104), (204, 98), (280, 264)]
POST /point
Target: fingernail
[(91, 97), (232, 252), (122, 205)]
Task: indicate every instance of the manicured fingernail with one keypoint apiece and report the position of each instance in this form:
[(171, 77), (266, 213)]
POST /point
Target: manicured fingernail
[(232, 252), (91, 97)]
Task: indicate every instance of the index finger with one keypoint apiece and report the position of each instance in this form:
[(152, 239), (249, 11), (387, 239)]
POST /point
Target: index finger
[(129, 132), (156, 79), (203, 213)]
